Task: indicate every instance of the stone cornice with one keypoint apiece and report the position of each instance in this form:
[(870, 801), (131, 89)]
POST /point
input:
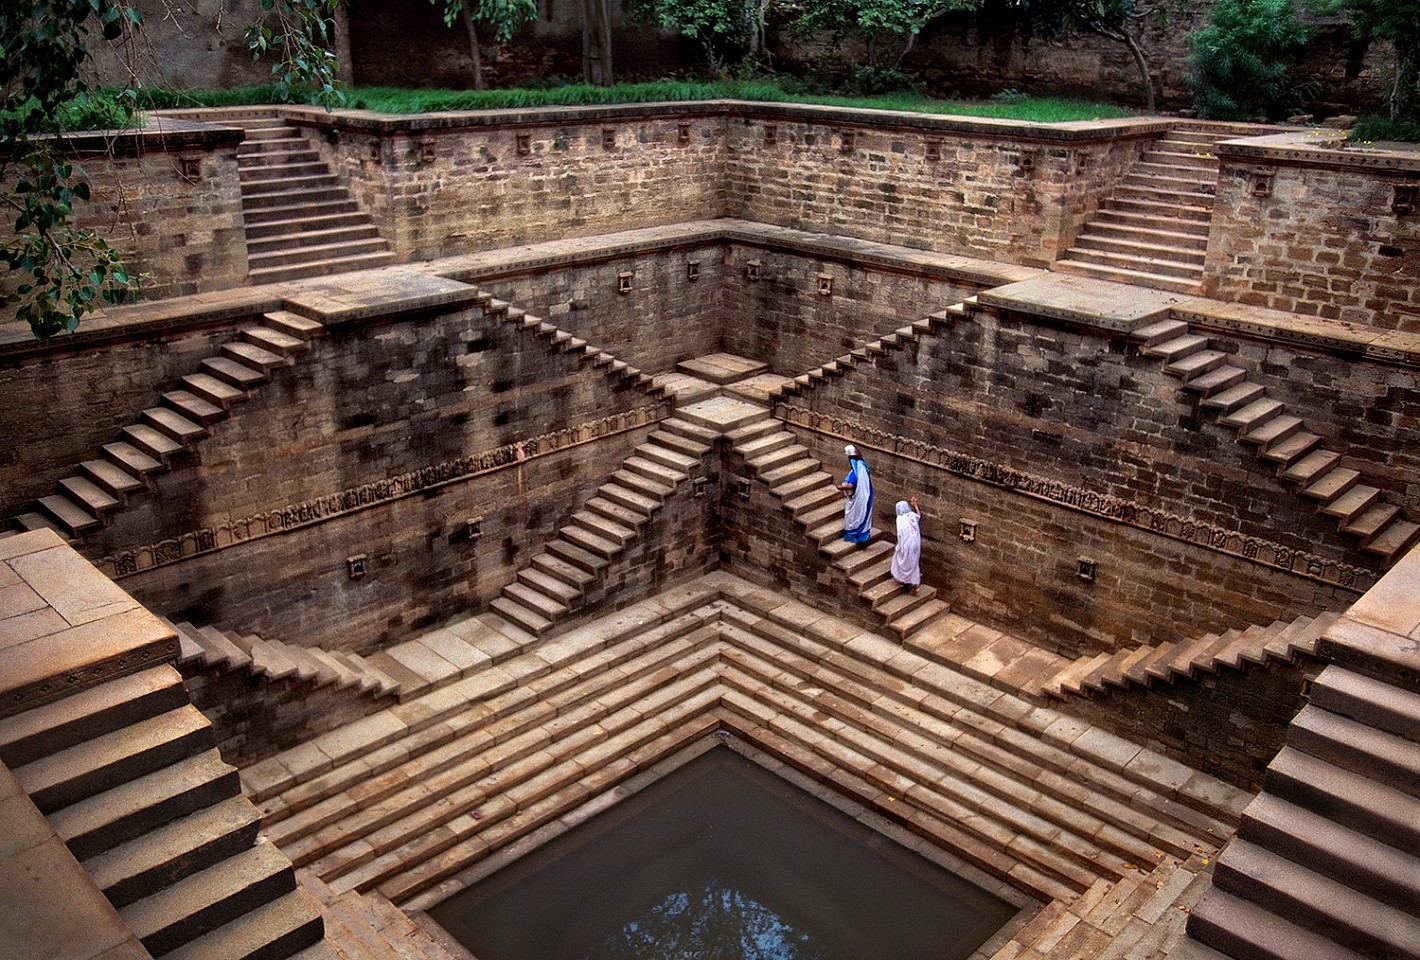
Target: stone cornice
[(1319, 148)]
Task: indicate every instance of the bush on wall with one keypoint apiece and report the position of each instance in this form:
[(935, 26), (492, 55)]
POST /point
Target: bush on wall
[(1243, 59)]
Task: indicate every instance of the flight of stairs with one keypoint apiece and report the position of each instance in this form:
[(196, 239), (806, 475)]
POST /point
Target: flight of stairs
[(1281, 439), (82, 503), (228, 650), (1153, 665), (399, 804), (812, 497), (366, 926), (1153, 228), (1326, 864), (126, 773), (301, 220), (556, 580)]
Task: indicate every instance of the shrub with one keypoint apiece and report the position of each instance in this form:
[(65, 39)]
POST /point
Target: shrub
[(1242, 60)]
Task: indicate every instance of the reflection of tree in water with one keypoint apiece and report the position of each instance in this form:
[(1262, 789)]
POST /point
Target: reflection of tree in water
[(716, 923)]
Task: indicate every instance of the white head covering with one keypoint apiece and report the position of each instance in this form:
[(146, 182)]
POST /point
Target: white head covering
[(851, 450), (903, 508)]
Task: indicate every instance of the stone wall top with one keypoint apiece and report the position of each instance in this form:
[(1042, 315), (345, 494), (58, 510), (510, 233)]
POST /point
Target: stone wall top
[(65, 626), (1380, 634), (1321, 148), (159, 132)]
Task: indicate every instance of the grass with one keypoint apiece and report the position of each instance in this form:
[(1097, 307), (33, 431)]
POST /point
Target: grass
[(1371, 129), (402, 100)]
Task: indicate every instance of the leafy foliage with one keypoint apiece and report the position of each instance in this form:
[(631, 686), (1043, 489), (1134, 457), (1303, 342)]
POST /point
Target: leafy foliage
[(1243, 59), (1371, 129), (503, 17), (67, 271), (728, 30), (886, 26), (296, 34)]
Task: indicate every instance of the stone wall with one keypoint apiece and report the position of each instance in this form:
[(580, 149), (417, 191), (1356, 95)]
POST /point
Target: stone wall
[(1317, 230), (443, 185), (169, 200)]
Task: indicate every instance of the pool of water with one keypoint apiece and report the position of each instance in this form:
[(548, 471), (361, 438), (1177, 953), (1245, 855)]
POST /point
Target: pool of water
[(722, 860)]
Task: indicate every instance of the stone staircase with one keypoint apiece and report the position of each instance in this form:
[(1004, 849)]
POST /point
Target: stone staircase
[(301, 220), (126, 773), (82, 503), (1281, 439), (810, 494), (407, 798), (366, 926), (269, 660), (1325, 863), (1153, 229), (1154, 665), (554, 583)]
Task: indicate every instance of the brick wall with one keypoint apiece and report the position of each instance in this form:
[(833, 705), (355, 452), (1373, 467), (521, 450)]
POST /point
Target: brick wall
[(1325, 240)]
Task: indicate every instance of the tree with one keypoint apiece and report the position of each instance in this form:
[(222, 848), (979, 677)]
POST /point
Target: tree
[(596, 42), (1111, 19), (1243, 59), (1398, 23), (502, 17), (889, 28), (727, 29), (63, 271)]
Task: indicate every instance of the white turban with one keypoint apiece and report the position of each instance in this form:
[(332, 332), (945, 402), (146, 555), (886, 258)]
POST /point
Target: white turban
[(851, 450)]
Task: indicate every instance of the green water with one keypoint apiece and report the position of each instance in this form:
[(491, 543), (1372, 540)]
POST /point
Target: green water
[(722, 861)]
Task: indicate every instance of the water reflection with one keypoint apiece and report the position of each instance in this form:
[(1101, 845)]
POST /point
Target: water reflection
[(716, 922)]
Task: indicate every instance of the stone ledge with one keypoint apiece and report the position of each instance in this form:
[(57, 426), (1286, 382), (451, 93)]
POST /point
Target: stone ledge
[(1387, 346), (1317, 148)]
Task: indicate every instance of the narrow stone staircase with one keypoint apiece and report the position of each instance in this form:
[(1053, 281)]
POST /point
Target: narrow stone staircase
[(1154, 665), (1153, 229), (555, 581), (811, 496), (269, 660), (1326, 864), (366, 926), (126, 773), (1281, 439), (83, 502), (301, 220)]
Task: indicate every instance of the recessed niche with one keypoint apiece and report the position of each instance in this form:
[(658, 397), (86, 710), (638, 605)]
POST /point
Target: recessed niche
[(718, 854)]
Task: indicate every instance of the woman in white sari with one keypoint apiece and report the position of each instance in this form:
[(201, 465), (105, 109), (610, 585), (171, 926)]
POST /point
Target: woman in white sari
[(857, 488), (907, 558)]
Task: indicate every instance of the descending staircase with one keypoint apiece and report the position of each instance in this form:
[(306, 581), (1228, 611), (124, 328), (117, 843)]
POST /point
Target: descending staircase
[(1154, 665), (366, 926), (301, 220), (1153, 229), (81, 503), (1326, 864), (556, 579), (399, 803), (228, 650), (811, 496), (126, 773), (1281, 439)]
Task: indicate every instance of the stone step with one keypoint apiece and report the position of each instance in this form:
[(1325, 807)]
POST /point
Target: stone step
[(1351, 504), (1371, 521), (1139, 248), (1196, 364), (174, 851), (255, 357), (1277, 430), (193, 407), (781, 476), (132, 809), (1178, 348), (595, 543), (575, 556), (321, 179), (765, 443), (1316, 902), (1332, 484), (564, 593), (1292, 449), (1139, 230), (603, 526), (1348, 798), (322, 225), (1235, 397), (301, 254), (685, 446), (293, 324), (674, 461), (1375, 703), (1149, 222), (1196, 179), (574, 577), (214, 389), (1150, 266), (297, 214), (525, 617), (1220, 378), (1141, 188), (809, 490), (70, 517), (252, 148), (690, 430), (1374, 754), (910, 622), (109, 476), (288, 926), (93, 498), (668, 477), (322, 268), (1123, 274), (535, 600), (78, 772), (233, 372), (1253, 415), (642, 485), (175, 425), (221, 650), (292, 197), (1158, 332), (76, 719), (763, 463), (621, 517), (628, 499), (1176, 215), (274, 342), (152, 441), (1245, 931), (753, 429), (1319, 844), (296, 165), (273, 243), (1310, 467), (1392, 542), (209, 899)]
